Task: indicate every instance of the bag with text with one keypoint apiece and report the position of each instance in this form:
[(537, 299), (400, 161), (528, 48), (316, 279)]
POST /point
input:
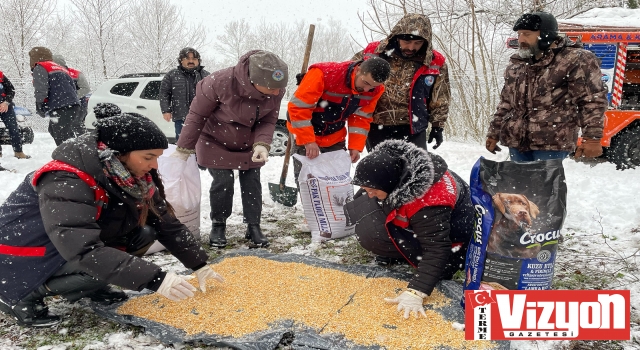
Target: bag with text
[(520, 208), (325, 186)]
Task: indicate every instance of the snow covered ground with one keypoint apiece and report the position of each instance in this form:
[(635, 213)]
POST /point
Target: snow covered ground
[(601, 247)]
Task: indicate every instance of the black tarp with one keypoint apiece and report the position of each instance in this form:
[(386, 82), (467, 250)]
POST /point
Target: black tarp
[(286, 332)]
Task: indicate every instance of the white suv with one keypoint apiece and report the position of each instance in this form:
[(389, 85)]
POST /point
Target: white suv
[(138, 93)]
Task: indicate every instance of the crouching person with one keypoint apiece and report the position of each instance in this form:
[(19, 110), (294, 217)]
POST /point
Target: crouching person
[(74, 227), (411, 208)]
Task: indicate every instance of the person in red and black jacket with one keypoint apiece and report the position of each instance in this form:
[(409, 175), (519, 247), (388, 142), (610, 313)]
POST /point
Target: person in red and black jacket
[(56, 95), (82, 221), (8, 115), (415, 210), (330, 97)]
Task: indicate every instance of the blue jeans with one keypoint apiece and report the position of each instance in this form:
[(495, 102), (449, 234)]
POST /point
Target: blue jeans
[(10, 122), (178, 125), (530, 156)]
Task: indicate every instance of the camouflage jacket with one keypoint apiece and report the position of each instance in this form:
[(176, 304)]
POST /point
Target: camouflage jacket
[(393, 106), (543, 104)]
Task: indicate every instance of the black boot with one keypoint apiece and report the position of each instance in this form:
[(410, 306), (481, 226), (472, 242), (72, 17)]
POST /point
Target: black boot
[(216, 237), (254, 233), (108, 295), (31, 311)]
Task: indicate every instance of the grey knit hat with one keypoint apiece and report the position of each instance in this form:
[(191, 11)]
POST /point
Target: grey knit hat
[(268, 70)]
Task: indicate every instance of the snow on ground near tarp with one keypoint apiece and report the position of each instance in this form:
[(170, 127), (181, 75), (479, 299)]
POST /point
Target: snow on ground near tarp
[(614, 16), (593, 192)]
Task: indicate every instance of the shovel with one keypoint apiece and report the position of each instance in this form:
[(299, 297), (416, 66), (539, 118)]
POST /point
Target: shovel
[(288, 196)]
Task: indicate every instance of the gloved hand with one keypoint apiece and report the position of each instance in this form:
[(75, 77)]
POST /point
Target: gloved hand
[(260, 154), (436, 133), (492, 145), (206, 273), (408, 302), (176, 287), (589, 148), (41, 109), (180, 155)]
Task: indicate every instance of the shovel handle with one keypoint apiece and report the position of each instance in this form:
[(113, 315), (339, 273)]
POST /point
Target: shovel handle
[(305, 65)]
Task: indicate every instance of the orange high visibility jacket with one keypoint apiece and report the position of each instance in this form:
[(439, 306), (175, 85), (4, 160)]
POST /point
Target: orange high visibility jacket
[(325, 101)]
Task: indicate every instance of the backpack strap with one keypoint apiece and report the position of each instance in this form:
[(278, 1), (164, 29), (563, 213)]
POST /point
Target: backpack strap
[(100, 194)]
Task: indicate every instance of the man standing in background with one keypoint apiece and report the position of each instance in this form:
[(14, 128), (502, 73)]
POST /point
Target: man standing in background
[(178, 87), (7, 93), (417, 92), (56, 94), (82, 84)]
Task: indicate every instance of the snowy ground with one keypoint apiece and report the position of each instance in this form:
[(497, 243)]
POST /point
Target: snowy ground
[(600, 250)]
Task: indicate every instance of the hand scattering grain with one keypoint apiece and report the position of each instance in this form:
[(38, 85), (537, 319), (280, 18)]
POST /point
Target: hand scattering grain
[(259, 292)]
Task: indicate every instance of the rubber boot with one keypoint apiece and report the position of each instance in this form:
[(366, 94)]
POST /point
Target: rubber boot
[(217, 236), (21, 155), (254, 233), (108, 295), (31, 310)]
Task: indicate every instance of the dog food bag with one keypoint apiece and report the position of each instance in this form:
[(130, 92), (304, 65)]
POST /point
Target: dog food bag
[(520, 208), (325, 186)]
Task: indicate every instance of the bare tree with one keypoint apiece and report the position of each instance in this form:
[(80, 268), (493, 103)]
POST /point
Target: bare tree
[(22, 23), (158, 31), (101, 23), (233, 43)]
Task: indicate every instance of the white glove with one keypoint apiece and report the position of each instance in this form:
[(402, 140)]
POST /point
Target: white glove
[(206, 273), (176, 287), (260, 154), (180, 155), (408, 302)]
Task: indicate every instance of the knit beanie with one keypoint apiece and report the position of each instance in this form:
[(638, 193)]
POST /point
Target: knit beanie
[(126, 132), (544, 22), (379, 170), (268, 70), (39, 54)]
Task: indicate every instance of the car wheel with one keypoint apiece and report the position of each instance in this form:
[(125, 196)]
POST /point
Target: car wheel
[(27, 135), (625, 149), (280, 141)]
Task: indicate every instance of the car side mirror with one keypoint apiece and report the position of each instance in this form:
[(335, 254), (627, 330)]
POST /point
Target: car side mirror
[(513, 43)]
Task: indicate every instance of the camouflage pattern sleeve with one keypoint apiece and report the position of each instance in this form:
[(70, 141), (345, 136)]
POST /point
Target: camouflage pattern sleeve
[(440, 98), (503, 108), (358, 56), (590, 95)]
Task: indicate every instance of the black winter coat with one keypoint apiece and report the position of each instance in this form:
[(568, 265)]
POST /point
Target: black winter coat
[(435, 227), (67, 211), (177, 90)]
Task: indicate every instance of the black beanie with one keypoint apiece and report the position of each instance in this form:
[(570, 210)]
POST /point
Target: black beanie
[(128, 132), (379, 170), (544, 22)]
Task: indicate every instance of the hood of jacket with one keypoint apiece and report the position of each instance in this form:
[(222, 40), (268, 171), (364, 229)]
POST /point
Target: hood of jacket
[(414, 24), (241, 75), (422, 169), (82, 153)]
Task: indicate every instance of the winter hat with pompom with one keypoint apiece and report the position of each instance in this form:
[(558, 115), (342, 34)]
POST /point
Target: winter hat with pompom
[(126, 132), (379, 170), (268, 70)]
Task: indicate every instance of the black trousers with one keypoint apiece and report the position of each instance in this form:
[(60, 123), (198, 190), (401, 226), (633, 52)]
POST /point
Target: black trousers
[(297, 166), (10, 122), (66, 123), (379, 133), (221, 194)]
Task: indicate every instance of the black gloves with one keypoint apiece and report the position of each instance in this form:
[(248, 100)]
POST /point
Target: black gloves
[(41, 109), (436, 133)]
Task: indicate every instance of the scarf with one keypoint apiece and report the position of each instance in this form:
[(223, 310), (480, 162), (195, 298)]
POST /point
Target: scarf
[(141, 188)]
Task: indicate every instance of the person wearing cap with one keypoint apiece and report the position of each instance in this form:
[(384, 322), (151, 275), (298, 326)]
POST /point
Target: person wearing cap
[(8, 116), (412, 208), (333, 100), (82, 84), (56, 95), (78, 224), (417, 92), (178, 87), (229, 127), (552, 90)]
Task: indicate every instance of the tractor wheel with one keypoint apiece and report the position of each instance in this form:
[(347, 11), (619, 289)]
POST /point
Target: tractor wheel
[(625, 149)]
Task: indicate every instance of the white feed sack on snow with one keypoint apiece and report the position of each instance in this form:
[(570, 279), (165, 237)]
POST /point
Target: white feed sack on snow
[(325, 186)]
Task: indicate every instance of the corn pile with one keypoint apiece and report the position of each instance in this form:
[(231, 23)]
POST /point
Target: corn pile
[(259, 292)]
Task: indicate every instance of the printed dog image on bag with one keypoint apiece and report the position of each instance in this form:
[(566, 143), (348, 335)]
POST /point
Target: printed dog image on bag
[(514, 217), (520, 209)]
